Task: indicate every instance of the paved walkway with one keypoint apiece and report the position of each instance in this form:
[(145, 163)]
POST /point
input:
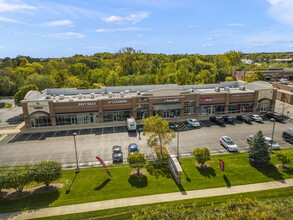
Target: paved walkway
[(167, 197)]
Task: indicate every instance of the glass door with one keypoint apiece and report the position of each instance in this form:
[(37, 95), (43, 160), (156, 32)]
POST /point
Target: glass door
[(115, 117), (73, 120)]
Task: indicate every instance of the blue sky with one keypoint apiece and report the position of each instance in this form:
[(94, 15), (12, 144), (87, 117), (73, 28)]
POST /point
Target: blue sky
[(61, 28)]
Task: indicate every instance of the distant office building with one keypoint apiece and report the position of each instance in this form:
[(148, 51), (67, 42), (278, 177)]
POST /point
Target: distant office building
[(71, 106), (271, 74), (284, 92)]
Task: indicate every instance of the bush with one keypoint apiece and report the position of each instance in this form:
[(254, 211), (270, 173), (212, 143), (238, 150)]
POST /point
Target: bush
[(283, 157), (137, 161), (18, 177)]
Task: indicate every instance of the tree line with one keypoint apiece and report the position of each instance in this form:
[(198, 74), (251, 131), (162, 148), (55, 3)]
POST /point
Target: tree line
[(124, 68)]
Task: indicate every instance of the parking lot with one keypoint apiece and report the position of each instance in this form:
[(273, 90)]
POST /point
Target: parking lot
[(91, 142)]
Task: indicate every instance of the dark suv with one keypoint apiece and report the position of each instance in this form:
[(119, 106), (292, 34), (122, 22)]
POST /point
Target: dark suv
[(117, 154), (276, 116), (288, 136), (217, 119), (228, 119), (132, 148)]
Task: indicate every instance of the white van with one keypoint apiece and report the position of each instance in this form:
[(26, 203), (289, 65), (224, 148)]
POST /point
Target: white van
[(131, 124)]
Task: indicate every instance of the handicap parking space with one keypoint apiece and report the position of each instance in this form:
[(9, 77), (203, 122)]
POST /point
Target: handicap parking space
[(85, 131), (71, 132), (108, 130), (120, 129), (34, 137), (61, 133), (97, 131)]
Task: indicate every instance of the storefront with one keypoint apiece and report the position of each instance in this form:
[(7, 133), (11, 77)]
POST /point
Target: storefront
[(40, 119), (117, 115), (77, 118), (216, 109), (240, 108)]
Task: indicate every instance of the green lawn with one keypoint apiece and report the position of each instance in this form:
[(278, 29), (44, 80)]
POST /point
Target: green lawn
[(126, 212), (93, 184)]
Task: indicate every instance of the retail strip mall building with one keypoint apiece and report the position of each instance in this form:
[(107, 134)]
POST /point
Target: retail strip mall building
[(71, 106)]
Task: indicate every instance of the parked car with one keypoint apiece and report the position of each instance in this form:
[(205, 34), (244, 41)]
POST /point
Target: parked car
[(250, 138), (228, 143), (132, 148), (228, 119), (271, 143), (193, 122), (276, 116), (117, 154), (256, 118), (244, 118), (288, 136), (217, 119), (283, 80), (268, 141)]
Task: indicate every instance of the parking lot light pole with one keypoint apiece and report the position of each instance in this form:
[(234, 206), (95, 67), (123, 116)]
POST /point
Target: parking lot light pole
[(177, 142), (271, 145), (77, 167)]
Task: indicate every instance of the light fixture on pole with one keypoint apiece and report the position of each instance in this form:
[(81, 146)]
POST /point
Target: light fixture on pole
[(77, 167)]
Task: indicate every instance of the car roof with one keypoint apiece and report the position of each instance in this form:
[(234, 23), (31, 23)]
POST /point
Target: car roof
[(133, 145), (227, 138), (116, 147), (288, 132)]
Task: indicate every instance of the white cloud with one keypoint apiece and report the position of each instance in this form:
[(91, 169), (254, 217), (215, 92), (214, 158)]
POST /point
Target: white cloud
[(193, 26), (124, 29), (208, 45), (2, 47), (169, 42), (210, 38), (237, 25), (139, 35), (282, 10), (14, 6), (4, 19), (258, 44), (59, 23), (68, 35), (133, 18)]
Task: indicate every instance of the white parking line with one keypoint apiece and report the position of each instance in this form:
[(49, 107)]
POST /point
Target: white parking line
[(64, 158), (27, 137), (14, 162), (49, 158), (32, 160), (42, 136)]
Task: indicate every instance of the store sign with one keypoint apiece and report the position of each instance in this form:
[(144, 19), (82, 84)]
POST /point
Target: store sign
[(241, 95), (117, 101), (86, 103), (171, 100), (208, 99), (268, 94), (38, 106)]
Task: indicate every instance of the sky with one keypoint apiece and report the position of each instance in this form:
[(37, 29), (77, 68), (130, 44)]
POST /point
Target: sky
[(63, 28)]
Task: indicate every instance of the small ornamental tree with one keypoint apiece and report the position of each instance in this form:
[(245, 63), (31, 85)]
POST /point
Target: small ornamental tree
[(258, 153), (283, 158), (136, 160), (158, 130), (201, 155), (47, 171), (18, 177)]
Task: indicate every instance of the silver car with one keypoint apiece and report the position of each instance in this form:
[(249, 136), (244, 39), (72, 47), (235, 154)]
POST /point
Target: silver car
[(228, 143), (256, 118), (193, 122)]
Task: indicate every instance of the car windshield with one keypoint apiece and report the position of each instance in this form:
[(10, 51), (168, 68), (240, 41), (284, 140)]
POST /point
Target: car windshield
[(133, 148), (272, 142), (230, 142), (117, 150), (193, 120)]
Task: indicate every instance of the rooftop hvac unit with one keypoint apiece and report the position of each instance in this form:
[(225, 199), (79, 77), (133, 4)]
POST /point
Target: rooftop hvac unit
[(102, 93), (80, 96), (138, 92), (217, 89), (126, 91), (242, 88), (110, 94), (227, 89), (92, 95), (61, 97), (48, 96), (122, 94)]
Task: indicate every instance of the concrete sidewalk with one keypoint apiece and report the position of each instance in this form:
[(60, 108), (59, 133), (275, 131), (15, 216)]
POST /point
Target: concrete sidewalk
[(167, 197)]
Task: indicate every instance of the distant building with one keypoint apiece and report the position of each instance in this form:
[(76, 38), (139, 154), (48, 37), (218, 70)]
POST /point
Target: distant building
[(271, 74), (71, 106), (288, 60), (284, 92)]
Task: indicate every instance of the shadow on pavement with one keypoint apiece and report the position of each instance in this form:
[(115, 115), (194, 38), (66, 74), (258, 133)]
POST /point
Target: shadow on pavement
[(206, 171)]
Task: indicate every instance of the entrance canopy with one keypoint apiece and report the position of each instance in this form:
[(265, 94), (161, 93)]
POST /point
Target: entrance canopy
[(166, 106)]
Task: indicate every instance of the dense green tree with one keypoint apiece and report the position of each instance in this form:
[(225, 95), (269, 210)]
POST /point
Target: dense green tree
[(205, 77), (46, 172), (18, 177), (158, 131), (136, 160), (6, 86), (252, 76), (41, 81), (112, 79), (201, 155), (22, 92), (258, 153)]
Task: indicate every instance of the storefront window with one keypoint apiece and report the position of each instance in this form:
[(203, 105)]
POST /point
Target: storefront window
[(240, 107), (142, 111), (40, 121), (118, 115), (189, 107), (264, 106), (77, 118), (168, 113), (212, 109)]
